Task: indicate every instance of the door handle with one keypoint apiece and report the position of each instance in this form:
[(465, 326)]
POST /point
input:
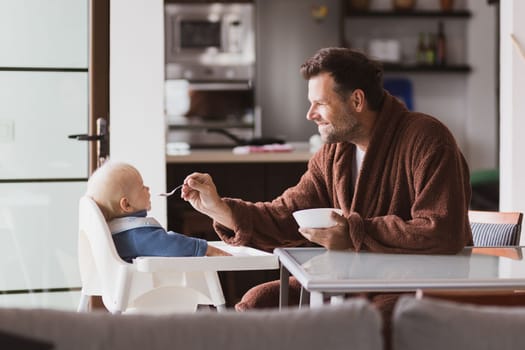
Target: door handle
[(102, 139), (86, 137)]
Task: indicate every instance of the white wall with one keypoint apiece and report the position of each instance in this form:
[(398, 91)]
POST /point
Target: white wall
[(136, 92), (481, 122), (512, 80)]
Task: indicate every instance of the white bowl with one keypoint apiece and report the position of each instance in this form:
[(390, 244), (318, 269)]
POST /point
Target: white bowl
[(316, 217)]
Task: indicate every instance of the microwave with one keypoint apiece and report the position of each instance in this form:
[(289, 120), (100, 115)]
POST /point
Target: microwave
[(207, 42)]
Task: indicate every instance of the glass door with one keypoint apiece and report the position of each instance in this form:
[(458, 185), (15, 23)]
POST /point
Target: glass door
[(44, 77)]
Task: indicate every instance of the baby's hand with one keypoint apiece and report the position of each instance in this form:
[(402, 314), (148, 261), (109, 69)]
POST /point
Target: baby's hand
[(212, 251)]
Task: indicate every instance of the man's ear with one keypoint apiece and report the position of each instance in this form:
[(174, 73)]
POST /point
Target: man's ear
[(358, 100)]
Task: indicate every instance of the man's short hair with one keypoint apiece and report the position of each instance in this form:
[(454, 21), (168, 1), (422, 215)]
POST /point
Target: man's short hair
[(350, 70)]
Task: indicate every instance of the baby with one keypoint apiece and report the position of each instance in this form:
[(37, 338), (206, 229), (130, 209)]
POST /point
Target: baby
[(121, 195)]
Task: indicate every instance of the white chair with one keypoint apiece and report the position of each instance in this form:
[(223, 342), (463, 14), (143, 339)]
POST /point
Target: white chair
[(125, 287)]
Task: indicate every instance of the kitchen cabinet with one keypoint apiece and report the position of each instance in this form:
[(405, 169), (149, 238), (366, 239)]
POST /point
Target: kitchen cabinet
[(253, 181), (361, 28)]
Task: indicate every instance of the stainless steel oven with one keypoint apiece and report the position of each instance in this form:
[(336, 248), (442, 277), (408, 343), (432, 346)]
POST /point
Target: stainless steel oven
[(210, 41), (210, 72)]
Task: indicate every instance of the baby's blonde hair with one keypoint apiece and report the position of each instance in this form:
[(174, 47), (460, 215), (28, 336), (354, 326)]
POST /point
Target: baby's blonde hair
[(109, 184)]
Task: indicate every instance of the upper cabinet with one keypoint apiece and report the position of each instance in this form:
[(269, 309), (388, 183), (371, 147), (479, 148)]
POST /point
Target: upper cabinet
[(417, 39)]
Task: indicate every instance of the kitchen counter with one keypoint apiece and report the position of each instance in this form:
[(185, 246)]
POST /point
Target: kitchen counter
[(300, 153)]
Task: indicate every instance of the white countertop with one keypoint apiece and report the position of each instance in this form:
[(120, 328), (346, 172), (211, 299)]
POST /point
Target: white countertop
[(300, 153)]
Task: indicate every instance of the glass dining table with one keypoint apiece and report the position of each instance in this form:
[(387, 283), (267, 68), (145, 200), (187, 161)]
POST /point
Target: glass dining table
[(327, 273)]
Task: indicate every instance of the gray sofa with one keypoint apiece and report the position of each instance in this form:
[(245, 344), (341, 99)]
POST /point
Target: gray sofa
[(432, 324), (353, 325), (417, 324)]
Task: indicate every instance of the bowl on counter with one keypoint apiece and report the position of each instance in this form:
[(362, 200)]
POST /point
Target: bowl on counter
[(316, 217)]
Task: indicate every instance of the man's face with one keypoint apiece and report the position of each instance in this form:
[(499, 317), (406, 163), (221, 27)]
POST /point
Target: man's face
[(334, 117)]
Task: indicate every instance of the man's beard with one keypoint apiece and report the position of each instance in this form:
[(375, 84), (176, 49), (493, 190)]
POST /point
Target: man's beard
[(351, 131)]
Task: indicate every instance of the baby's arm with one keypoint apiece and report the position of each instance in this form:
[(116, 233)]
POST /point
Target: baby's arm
[(212, 251)]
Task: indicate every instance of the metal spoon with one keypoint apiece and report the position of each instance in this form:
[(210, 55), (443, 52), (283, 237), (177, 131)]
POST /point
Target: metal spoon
[(172, 191)]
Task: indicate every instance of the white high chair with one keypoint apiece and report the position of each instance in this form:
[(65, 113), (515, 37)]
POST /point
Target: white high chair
[(125, 288)]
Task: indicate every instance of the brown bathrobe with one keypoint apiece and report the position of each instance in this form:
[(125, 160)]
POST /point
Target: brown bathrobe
[(412, 192), (412, 195)]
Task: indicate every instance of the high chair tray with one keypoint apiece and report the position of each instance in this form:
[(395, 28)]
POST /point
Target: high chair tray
[(243, 258)]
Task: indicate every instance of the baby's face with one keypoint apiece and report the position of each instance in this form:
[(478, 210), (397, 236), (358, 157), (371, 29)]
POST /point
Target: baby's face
[(140, 197)]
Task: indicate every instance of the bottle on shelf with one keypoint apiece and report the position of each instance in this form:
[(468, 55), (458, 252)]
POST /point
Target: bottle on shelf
[(421, 49), (446, 5), (403, 5), (431, 50), (359, 5), (441, 46)]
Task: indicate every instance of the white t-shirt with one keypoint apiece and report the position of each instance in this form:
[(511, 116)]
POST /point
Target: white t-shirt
[(358, 161)]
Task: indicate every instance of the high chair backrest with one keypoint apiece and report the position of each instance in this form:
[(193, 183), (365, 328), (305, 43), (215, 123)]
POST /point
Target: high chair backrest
[(97, 254)]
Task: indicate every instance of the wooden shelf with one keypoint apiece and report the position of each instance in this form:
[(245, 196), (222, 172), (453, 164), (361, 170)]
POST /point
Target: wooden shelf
[(413, 14), (393, 68), (211, 125), (396, 15)]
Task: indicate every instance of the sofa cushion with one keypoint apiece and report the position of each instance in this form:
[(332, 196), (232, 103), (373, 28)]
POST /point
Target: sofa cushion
[(353, 325), (13, 341), (435, 324)]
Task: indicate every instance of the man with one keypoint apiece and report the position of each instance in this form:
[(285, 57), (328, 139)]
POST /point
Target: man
[(398, 176)]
